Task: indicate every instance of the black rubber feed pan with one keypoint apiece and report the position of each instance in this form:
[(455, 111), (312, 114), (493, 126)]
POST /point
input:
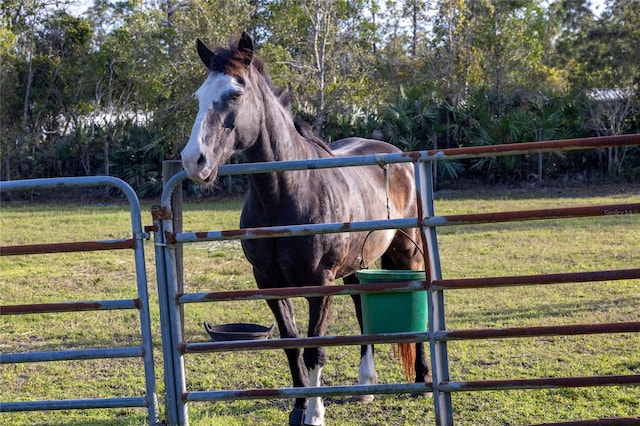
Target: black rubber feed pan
[(238, 331)]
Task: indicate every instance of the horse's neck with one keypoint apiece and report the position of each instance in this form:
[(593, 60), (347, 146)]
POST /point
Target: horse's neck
[(278, 141)]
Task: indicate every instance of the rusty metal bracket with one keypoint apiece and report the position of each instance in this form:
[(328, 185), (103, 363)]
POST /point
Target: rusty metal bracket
[(170, 238), (161, 213)]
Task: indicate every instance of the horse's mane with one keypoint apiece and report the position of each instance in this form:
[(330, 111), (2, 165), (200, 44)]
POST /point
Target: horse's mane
[(284, 97), (306, 131), (232, 61)]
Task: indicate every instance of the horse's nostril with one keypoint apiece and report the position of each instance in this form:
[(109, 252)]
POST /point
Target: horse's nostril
[(201, 160)]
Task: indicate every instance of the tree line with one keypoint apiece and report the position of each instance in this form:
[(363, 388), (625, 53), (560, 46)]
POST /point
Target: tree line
[(108, 89)]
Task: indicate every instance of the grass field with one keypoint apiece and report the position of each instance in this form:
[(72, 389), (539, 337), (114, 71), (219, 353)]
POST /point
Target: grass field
[(548, 246)]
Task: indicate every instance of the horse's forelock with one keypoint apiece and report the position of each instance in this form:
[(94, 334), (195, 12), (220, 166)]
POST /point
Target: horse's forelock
[(233, 62), (230, 61)]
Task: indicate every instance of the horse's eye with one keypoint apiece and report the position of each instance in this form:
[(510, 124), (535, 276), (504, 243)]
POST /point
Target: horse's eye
[(235, 96)]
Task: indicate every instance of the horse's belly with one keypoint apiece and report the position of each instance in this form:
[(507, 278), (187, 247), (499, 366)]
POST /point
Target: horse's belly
[(318, 260), (296, 261)]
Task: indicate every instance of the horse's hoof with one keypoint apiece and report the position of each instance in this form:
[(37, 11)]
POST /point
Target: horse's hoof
[(296, 417), (427, 380), (364, 399)]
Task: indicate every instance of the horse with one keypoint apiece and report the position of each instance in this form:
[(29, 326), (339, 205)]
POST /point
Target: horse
[(240, 109)]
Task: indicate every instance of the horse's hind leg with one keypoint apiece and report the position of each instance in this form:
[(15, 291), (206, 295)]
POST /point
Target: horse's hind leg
[(367, 371)]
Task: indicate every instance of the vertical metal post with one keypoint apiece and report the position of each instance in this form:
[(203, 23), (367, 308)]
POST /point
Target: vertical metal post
[(176, 326), (165, 320), (436, 313), (171, 312), (145, 318), (169, 169), (540, 169)]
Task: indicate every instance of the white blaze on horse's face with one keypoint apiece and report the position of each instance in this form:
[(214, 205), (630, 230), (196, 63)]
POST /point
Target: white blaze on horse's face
[(198, 157)]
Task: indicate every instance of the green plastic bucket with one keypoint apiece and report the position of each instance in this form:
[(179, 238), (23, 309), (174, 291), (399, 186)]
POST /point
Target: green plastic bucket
[(393, 312)]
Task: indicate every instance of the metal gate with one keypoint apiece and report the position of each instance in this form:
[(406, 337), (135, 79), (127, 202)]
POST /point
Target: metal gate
[(173, 299), (144, 350)]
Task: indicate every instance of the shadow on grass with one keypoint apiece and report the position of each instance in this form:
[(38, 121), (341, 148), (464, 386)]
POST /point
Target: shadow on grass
[(499, 317), (118, 419), (112, 422)]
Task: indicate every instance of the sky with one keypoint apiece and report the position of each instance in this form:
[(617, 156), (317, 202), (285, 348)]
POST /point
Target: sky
[(598, 6), (80, 6)]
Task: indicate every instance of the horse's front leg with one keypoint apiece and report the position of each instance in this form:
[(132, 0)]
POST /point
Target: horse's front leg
[(283, 313), (367, 372), (315, 358)]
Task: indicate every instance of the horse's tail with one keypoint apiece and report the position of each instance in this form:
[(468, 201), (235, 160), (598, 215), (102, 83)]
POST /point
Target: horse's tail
[(407, 354)]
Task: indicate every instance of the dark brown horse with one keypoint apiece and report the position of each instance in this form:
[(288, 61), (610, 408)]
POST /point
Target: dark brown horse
[(241, 110)]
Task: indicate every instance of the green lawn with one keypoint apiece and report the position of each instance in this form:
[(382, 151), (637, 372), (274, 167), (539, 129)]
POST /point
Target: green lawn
[(471, 251)]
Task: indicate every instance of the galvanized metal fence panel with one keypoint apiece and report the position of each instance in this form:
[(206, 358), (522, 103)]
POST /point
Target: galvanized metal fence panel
[(172, 298), (144, 351)]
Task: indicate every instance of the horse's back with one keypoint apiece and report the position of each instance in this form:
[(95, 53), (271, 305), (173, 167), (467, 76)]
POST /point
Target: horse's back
[(361, 146), (370, 179)]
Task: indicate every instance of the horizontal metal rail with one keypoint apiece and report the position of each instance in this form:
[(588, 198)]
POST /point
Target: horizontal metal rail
[(537, 147), (372, 225), (540, 279), (540, 214), (72, 355), (539, 331), (447, 335), (75, 404), (324, 391), (605, 421), (291, 230), (310, 291), (541, 383), (67, 247), (99, 305), (303, 342)]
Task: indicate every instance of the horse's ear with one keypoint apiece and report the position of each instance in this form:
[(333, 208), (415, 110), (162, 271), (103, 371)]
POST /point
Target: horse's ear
[(206, 55), (245, 45)]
